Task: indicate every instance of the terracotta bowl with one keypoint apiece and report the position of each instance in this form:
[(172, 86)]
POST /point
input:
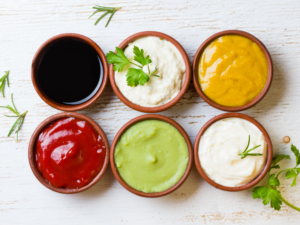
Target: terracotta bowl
[(39, 55), (268, 160), (185, 85), (31, 150), (254, 101), (139, 119)]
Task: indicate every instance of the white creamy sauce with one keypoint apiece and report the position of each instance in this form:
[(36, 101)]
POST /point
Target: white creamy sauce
[(219, 150), (171, 69)]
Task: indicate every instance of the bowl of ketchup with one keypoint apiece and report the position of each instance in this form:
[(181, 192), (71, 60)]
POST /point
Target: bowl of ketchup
[(68, 152)]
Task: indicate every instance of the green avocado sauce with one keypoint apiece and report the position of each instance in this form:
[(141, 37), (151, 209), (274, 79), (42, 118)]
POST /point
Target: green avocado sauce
[(151, 156)]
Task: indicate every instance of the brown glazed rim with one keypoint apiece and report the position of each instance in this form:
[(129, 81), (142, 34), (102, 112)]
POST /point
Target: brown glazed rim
[(151, 117), (254, 101), (268, 160), (36, 61), (38, 131), (185, 85)]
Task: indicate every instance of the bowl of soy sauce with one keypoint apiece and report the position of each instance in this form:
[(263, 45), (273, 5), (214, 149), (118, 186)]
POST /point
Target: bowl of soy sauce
[(69, 72)]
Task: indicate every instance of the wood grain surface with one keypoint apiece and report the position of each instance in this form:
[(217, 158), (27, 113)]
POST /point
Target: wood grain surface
[(25, 25)]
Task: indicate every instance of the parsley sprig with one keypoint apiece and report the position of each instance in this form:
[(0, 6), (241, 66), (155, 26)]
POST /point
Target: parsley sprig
[(245, 153), (135, 76), (20, 118), (269, 192), (2, 81), (108, 10)]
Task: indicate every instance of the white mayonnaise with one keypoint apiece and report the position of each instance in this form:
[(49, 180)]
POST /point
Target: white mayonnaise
[(219, 150), (171, 69)]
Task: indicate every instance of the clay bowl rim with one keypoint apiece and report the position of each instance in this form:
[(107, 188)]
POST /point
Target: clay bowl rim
[(151, 117), (254, 101), (39, 54), (185, 85), (35, 135), (268, 159)]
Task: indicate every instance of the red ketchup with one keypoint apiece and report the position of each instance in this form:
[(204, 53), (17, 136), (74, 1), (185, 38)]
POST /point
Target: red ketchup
[(69, 153)]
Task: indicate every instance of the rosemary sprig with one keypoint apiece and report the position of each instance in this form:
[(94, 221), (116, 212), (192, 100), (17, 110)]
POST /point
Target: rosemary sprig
[(108, 10), (152, 73), (245, 153), (2, 81), (20, 118)]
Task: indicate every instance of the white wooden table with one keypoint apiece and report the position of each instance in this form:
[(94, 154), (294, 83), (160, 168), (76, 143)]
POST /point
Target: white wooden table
[(25, 25)]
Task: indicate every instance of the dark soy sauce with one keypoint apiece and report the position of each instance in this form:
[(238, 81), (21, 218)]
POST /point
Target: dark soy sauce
[(70, 72)]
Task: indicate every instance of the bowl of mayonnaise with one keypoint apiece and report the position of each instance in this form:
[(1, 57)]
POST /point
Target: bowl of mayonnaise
[(233, 152)]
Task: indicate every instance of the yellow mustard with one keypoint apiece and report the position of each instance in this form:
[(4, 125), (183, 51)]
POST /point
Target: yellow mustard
[(232, 70)]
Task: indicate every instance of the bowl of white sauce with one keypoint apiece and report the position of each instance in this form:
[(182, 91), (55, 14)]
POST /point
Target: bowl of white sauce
[(233, 152), (173, 72)]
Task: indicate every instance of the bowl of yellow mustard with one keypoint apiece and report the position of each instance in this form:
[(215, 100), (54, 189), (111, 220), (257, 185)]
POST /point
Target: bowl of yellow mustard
[(232, 70)]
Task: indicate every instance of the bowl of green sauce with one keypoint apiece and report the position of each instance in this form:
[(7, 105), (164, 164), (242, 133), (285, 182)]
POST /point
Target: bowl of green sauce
[(151, 155)]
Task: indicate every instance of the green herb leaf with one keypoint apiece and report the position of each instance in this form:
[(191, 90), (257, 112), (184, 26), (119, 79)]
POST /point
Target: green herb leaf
[(133, 77), (268, 195), (245, 153), (274, 167), (18, 123), (292, 173), (139, 56), (152, 73), (277, 159), (297, 154), (2, 82), (259, 192), (118, 59), (273, 181), (144, 78), (136, 77), (108, 10), (294, 181), (274, 197)]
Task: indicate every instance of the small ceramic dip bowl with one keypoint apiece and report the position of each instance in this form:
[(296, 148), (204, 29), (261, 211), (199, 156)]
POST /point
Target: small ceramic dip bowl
[(196, 62), (151, 159), (268, 160), (72, 153), (185, 83), (93, 96)]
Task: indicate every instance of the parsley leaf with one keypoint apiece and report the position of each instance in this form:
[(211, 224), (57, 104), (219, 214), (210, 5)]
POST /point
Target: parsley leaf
[(268, 194), (139, 56), (274, 167), (136, 77), (273, 181), (292, 173), (274, 197), (118, 59), (297, 154), (259, 192), (277, 160)]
